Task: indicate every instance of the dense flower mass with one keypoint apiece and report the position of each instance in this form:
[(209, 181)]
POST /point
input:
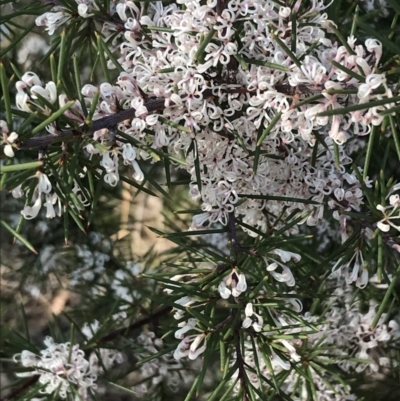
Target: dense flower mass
[(264, 106), (244, 111), (60, 366)]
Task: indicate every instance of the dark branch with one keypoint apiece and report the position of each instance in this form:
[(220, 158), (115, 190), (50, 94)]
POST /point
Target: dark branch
[(105, 122), (155, 104), (126, 330)]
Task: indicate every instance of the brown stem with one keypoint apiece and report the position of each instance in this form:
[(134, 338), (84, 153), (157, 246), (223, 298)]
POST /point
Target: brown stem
[(126, 330), (155, 104)]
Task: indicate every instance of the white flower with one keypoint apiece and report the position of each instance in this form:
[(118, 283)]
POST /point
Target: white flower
[(44, 184), (189, 346), (52, 20), (277, 360), (9, 141), (194, 349), (385, 224), (247, 322), (285, 256), (17, 192), (285, 277), (22, 100), (59, 367), (49, 92), (31, 212), (237, 282), (52, 199)]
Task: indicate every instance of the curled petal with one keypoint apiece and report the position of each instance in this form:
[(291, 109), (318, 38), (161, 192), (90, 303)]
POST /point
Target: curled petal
[(381, 208), (30, 78), (383, 226), (179, 334), (272, 267), (14, 136), (31, 212), (138, 175), (223, 290), (128, 153), (182, 349), (394, 200), (241, 286), (112, 179), (194, 352), (362, 281), (21, 100), (44, 184)]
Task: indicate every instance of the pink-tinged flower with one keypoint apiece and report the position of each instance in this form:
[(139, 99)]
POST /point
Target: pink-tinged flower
[(189, 346), (374, 46), (17, 192), (52, 20)]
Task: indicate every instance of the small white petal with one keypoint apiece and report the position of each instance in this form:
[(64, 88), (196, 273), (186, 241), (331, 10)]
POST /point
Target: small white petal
[(383, 227), (14, 136), (241, 286), (223, 290), (381, 208), (249, 310), (31, 212), (8, 151), (272, 267)]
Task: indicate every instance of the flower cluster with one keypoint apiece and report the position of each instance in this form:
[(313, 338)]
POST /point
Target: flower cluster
[(42, 190), (60, 367), (345, 331), (238, 109), (263, 109), (349, 329)]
